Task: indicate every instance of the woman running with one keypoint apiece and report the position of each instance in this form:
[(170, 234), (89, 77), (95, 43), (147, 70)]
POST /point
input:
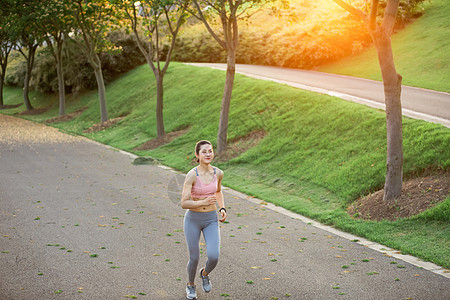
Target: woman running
[(201, 192)]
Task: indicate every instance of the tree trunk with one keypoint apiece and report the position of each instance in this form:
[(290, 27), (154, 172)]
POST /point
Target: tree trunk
[(4, 64), (26, 84), (226, 100), (96, 64), (160, 105), (2, 80), (392, 83), (61, 86)]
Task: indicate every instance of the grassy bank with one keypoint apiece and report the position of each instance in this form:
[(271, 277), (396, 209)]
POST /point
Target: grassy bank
[(318, 155), (421, 52)]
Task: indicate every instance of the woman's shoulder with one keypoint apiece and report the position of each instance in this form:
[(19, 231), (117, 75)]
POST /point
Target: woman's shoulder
[(219, 172), (191, 175)]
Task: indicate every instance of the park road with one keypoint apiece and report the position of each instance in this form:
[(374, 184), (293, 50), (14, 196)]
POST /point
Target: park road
[(79, 221), (417, 103)]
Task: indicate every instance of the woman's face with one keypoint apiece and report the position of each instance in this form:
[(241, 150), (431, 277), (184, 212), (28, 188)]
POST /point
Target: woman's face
[(206, 154)]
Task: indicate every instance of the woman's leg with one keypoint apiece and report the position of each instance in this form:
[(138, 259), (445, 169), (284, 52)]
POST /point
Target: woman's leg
[(212, 238), (192, 230)]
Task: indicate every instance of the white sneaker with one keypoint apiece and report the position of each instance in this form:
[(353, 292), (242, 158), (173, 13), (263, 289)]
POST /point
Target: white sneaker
[(206, 283), (190, 292)]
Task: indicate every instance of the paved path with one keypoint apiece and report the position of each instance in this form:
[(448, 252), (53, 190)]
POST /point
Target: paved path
[(79, 221), (417, 103)]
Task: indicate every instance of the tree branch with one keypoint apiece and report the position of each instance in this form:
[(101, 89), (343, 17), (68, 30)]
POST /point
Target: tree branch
[(172, 45), (354, 11), (373, 15), (208, 27)]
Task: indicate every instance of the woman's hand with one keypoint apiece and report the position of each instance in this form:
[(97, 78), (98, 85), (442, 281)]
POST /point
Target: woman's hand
[(210, 200), (224, 215)]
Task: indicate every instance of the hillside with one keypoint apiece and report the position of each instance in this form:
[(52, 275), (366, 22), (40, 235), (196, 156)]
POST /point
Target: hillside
[(421, 52)]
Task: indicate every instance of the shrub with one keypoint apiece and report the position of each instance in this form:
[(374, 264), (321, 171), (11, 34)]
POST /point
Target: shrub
[(78, 74), (303, 36), (17, 68), (121, 62), (407, 10), (196, 44)]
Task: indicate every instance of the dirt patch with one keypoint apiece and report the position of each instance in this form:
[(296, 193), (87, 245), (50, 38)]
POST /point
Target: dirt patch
[(34, 111), (17, 131), (240, 145), (103, 125), (67, 117), (157, 142), (418, 194)]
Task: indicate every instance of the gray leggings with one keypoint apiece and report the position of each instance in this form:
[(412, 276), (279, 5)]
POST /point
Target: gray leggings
[(194, 224)]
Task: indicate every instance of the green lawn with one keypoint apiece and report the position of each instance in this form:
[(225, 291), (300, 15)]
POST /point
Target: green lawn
[(319, 154), (421, 52)]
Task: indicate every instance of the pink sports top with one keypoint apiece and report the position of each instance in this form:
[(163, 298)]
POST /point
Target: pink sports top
[(201, 190)]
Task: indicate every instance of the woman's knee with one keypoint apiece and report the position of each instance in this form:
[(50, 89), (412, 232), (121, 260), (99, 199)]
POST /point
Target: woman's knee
[(213, 257)]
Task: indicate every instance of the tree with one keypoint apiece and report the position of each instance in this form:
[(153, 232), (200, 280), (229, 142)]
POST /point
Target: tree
[(93, 20), (392, 82), (6, 44), (29, 37), (229, 13), (55, 21), (160, 20)]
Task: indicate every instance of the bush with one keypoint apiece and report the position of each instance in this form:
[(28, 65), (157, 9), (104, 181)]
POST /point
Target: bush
[(16, 70), (296, 46), (122, 62), (196, 44), (407, 10), (305, 36), (78, 74)]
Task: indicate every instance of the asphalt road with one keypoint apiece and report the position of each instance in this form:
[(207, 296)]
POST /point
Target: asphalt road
[(417, 103), (79, 221)]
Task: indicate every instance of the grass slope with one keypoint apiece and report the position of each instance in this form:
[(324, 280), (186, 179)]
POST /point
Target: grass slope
[(421, 52), (320, 153)]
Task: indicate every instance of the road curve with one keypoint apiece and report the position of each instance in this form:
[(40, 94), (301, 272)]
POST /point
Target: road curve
[(417, 103)]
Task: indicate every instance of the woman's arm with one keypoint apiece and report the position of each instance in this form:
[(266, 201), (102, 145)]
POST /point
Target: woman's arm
[(186, 201), (219, 197)]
